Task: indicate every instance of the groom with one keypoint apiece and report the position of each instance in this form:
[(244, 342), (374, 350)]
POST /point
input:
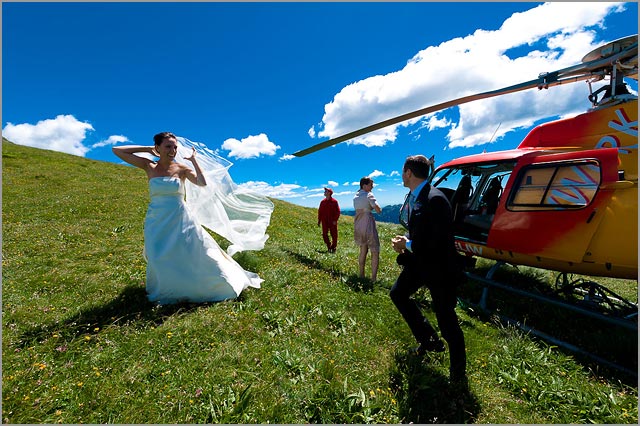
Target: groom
[(428, 257)]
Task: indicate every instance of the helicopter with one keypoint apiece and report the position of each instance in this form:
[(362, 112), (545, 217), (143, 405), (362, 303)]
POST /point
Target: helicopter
[(566, 198)]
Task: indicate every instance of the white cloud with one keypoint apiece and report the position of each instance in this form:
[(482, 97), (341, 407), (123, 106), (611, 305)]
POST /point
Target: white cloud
[(312, 132), (375, 174), (333, 183), (320, 194), (111, 140), (288, 191), (63, 133), (480, 62), (283, 190), (394, 173), (286, 157), (433, 122), (250, 147)]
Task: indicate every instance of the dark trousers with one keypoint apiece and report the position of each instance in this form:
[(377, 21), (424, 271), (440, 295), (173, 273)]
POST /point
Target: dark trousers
[(333, 230), (444, 300)]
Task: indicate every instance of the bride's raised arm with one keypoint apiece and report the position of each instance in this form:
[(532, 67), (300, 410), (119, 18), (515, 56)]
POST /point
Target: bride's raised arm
[(196, 178), (127, 154)]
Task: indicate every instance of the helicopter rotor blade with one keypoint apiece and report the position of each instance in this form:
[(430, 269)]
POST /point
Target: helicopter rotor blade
[(433, 108), (583, 71)]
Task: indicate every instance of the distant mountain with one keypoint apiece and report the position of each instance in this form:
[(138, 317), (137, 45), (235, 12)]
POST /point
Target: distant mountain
[(389, 214)]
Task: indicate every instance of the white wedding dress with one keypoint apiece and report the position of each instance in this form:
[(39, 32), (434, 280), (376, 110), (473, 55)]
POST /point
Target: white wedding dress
[(184, 263)]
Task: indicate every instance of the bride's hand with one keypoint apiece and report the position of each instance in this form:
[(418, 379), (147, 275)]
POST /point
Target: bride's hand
[(193, 155)]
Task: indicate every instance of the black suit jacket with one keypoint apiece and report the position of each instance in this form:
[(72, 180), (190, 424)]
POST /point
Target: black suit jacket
[(433, 255)]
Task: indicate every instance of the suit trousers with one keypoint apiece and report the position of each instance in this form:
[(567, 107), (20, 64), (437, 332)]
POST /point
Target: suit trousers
[(443, 295)]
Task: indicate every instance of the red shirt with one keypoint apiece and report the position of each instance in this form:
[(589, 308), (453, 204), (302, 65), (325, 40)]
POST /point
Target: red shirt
[(329, 211)]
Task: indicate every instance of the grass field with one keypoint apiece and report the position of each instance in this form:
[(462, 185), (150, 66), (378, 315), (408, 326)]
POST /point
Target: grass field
[(81, 344)]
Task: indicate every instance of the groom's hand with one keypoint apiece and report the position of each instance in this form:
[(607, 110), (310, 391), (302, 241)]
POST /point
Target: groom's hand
[(399, 243)]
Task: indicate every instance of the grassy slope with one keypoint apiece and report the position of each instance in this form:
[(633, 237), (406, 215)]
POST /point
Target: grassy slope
[(315, 344)]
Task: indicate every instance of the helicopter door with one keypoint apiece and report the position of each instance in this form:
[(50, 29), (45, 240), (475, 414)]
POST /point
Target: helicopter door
[(554, 204)]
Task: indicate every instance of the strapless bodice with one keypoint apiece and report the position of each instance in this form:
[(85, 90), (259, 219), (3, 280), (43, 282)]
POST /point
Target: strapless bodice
[(166, 186)]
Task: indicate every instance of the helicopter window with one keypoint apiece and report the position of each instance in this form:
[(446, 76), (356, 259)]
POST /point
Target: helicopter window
[(446, 178), (449, 182), (553, 187)]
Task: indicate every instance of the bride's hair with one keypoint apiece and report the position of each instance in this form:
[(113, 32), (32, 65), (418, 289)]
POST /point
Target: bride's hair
[(157, 139)]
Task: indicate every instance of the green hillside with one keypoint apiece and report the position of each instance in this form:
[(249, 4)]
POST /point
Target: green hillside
[(81, 344)]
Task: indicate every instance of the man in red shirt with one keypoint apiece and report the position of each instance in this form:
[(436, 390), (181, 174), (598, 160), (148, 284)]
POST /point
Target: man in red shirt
[(328, 215)]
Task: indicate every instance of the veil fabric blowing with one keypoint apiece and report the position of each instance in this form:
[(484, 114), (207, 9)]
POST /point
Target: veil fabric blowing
[(241, 216)]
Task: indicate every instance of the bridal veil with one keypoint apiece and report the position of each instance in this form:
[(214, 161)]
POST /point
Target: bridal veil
[(237, 214)]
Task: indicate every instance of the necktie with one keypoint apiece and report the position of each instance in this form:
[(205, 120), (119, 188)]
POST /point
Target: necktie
[(412, 201), (405, 210)]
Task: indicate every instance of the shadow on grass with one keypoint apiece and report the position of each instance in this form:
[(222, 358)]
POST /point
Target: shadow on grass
[(427, 396), (130, 308), (357, 283), (353, 281), (313, 263)]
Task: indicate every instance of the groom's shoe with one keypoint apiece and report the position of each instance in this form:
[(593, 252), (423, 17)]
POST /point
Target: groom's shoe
[(459, 379), (433, 345)]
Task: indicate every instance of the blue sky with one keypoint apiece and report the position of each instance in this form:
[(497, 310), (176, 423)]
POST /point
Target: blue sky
[(259, 81)]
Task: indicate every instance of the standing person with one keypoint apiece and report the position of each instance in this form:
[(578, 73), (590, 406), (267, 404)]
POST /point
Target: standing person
[(328, 215), (365, 232), (184, 263), (428, 257)]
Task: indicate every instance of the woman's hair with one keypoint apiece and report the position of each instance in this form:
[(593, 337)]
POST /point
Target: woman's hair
[(365, 181), (419, 166), (157, 139)]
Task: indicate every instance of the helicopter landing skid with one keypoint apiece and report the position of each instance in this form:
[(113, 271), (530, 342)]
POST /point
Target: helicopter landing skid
[(628, 321), (596, 297)]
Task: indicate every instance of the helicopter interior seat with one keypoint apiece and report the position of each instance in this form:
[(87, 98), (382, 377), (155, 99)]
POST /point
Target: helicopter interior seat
[(489, 203), (460, 199), (491, 196)]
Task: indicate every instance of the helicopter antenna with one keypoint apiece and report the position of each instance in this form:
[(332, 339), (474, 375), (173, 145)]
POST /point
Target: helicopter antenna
[(494, 134), (596, 63)]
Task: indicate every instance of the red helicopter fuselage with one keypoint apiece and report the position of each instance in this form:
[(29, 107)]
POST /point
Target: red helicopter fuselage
[(566, 199)]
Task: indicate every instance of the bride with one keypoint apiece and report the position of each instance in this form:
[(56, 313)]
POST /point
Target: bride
[(184, 263)]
